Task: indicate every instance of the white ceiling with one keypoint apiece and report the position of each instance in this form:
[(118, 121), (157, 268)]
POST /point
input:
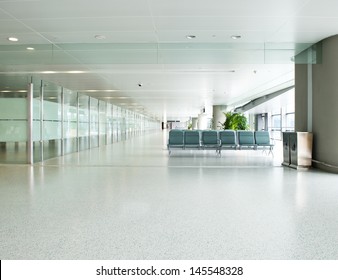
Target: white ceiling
[(145, 42)]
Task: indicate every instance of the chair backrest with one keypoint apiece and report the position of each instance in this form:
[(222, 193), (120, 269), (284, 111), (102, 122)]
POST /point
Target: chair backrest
[(191, 137), (176, 137), (209, 137), (245, 137), (262, 137), (227, 137)]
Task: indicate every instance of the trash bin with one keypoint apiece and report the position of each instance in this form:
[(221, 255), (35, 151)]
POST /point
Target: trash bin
[(286, 149), (297, 149)]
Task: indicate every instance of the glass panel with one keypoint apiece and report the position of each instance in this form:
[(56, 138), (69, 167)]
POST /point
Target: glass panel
[(109, 120), (123, 124), (94, 122), (52, 121), (290, 122), (102, 122), (276, 122), (69, 121), (116, 123), (13, 119), (83, 122), (276, 126), (13, 130)]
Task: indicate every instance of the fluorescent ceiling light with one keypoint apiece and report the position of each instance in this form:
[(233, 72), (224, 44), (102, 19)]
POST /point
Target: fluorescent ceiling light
[(30, 49), (12, 39), (75, 72), (19, 91), (48, 72)]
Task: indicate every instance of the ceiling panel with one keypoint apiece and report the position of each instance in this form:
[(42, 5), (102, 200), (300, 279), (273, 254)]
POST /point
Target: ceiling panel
[(305, 37), (75, 8), (324, 8), (238, 8), (12, 26), (111, 37), (217, 23), (3, 14), (91, 24), (311, 24)]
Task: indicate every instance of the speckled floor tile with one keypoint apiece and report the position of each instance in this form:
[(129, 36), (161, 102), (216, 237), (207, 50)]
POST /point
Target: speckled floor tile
[(130, 200)]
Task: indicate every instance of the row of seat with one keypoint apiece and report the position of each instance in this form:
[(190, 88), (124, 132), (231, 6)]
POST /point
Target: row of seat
[(219, 140)]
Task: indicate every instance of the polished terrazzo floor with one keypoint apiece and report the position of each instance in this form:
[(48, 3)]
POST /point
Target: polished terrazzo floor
[(130, 200)]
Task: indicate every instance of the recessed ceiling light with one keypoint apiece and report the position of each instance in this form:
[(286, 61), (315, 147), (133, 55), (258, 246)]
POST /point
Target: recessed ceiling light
[(12, 39), (236, 37), (30, 49), (190, 37), (100, 37)]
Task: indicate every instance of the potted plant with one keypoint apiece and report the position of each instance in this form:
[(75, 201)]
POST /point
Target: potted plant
[(234, 121)]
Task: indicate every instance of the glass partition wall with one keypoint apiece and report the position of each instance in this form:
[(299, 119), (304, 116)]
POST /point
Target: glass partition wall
[(40, 120), (14, 119)]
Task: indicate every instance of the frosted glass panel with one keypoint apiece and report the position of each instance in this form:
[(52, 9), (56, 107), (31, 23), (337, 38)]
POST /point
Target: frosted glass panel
[(36, 109), (52, 130), (83, 116), (94, 116), (83, 129), (69, 129), (69, 114), (13, 108), (102, 117), (51, 111), (15, 131), (36, 131)]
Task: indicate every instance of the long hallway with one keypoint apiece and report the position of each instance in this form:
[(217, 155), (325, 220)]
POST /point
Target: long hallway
[(130, 200)]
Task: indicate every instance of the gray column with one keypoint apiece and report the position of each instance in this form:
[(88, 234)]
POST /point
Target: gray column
[(316, 104), (194, 122), (218, 115), (202, 121)]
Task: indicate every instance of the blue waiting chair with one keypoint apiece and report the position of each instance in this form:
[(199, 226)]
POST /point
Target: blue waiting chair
[(192, 139), (210, 140), (246, 139), (262, 139), (176, 139), (228, 140)]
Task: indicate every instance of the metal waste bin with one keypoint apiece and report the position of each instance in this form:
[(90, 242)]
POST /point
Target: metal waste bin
[(286, 149), (297, 149)]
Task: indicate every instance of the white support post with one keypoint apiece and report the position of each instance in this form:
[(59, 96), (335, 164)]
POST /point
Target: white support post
[(30, 151)]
